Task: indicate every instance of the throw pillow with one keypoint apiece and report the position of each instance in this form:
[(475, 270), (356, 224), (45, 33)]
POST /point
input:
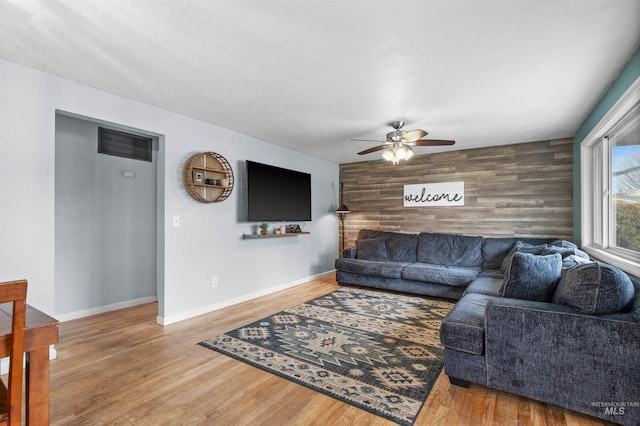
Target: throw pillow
[(595, 288), (532, 277), (565, 251), (563, 243), (371, 249), (573, 260), (520, 247)]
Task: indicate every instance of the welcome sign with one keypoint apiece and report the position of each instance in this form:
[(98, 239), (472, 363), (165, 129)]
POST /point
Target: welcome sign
[(434, 194)]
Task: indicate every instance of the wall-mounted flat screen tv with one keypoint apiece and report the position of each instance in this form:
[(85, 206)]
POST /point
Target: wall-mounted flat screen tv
[(277, 194)]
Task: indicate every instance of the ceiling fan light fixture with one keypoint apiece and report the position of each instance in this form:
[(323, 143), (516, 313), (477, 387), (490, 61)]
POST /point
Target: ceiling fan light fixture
[(401, 152), (397, 152), (389, 155), (409, 152), (399, 144)]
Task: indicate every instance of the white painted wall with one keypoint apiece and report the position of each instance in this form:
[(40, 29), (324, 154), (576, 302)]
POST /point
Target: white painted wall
[(207, 243), (105, 227)]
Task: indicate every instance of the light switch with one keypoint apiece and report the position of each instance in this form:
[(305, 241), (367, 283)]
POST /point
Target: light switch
[(176, 220)]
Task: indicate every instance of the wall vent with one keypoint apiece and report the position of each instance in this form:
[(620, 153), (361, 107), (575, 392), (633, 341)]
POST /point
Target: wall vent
[(121, 144)]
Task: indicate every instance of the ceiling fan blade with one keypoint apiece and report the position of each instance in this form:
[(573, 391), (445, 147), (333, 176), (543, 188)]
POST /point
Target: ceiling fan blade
[(414, 135), (374, 149), (433, 142)]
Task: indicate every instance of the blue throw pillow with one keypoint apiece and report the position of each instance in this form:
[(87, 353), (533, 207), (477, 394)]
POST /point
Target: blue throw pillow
[(571, 256), (532, 277), (520, 247), (563, 243), (372, 249), (595, 288), (565, 251)]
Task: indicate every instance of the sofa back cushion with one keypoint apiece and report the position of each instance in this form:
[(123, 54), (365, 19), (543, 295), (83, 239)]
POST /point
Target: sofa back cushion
[(449, 249), (400, 247), (595, 288), (532, 277), (367, 234), (372, 249)]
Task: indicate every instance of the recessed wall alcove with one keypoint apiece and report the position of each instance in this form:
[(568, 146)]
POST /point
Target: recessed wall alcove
[(106, 225)]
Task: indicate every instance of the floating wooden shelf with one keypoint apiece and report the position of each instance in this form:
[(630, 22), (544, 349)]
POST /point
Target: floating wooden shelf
[(213, 166), (290, 234)]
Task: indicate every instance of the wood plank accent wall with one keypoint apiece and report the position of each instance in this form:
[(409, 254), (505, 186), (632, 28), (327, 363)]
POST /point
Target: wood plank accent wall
[(520, 190)]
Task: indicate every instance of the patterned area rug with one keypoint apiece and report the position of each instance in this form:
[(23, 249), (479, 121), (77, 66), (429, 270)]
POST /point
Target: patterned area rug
[(377, 351)]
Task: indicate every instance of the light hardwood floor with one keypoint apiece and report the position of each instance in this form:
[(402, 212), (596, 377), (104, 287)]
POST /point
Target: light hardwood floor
[(121, 368)]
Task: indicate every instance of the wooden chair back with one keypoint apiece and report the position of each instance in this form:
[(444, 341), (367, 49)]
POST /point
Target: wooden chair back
[(11, 392)]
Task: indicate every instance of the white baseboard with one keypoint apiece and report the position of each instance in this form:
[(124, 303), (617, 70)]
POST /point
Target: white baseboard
[(206, 309), (102, 309)]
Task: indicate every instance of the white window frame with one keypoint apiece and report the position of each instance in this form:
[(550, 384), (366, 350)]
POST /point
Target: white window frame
[(595, 184)]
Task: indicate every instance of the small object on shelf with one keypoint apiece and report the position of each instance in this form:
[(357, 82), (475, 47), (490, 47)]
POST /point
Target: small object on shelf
[(263, 228), (204, 174), (294, 229), (281, 230)]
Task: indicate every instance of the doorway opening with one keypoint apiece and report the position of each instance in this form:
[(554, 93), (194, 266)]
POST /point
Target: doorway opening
[(108, 220)]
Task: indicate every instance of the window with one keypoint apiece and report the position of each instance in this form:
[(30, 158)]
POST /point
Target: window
[(625, 187), (611, 185)]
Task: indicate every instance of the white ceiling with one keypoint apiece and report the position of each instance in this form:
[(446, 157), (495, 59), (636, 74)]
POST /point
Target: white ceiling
[(313, 74)]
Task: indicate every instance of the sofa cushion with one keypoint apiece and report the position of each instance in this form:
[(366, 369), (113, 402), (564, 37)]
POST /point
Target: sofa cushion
[(563, 243), (402, 247), (573, 261), (463, 327), (367, 234), (571, 256), (371, 268), (454, 276), (449, 249), (372, 249), (521, 247), (495, 249), (488, 285), (532, 277), (492, 273), (595, 288), (565, 251)]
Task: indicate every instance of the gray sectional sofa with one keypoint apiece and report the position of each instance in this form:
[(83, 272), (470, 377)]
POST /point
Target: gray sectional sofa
[(535, 317)]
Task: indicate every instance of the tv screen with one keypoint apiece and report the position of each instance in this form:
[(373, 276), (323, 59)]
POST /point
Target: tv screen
[(277, 194)]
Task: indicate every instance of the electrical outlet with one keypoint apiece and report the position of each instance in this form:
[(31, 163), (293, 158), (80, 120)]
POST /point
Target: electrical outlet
[(214, 282)]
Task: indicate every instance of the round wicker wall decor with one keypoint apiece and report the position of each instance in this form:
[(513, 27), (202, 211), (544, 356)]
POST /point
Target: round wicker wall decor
[(208, 177)]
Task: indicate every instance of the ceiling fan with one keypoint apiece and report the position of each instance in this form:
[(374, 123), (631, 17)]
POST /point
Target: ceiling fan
[(399, 143)]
